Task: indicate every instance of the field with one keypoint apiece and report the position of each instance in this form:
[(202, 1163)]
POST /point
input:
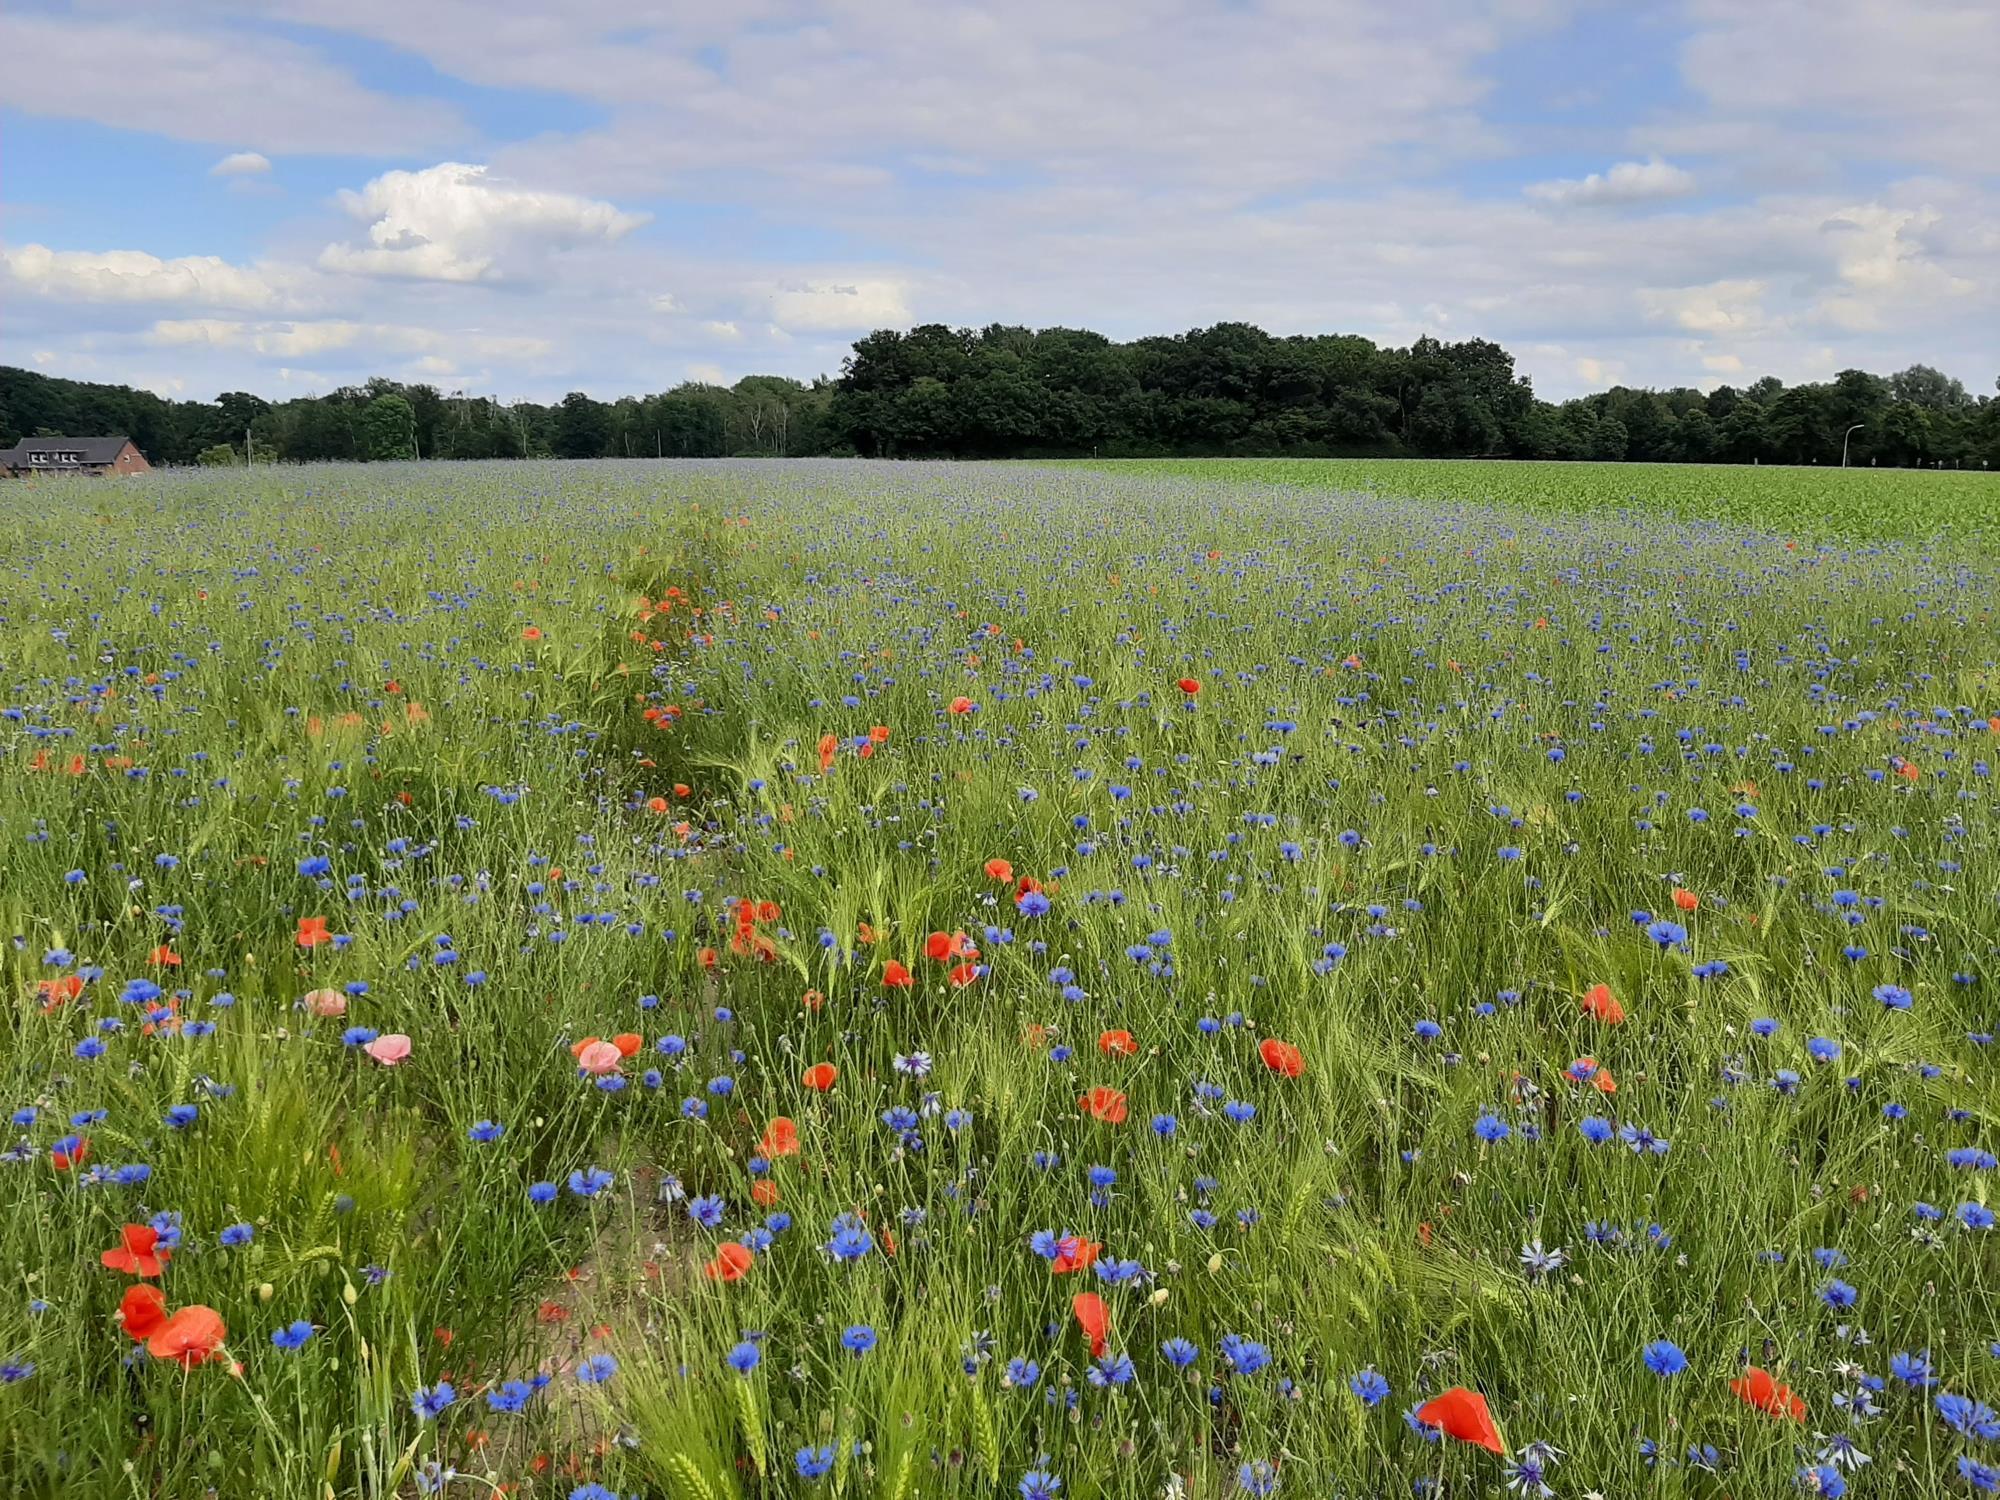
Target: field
[(748, 979), (1857, 504)]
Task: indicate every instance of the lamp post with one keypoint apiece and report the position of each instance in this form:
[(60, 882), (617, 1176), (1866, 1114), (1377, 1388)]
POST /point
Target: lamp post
[(1843, 441)]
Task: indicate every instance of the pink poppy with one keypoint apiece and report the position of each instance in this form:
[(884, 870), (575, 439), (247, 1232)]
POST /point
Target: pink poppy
[(327, 1004), (389, 1050), (600, 1058)]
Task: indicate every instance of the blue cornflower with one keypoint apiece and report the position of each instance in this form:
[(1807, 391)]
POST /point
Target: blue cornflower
[(1179, 1353), (597, 1369), (1838, 1294), (706, 1211), (1664, 1357), (589, 1182), (1913, 1369), (1369, 1387), (1039, 1484), (235, 1235), (542, 1192), (486, 1131), (293, 1335), (429, 1402), (1491, 1128), (745, 1357), (858, 1339), (1111, 1370), (813, 1463), (1257, 1478)]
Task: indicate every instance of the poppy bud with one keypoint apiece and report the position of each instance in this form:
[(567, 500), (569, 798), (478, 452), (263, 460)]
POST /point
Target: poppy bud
[(266, 1292), (349, 1295), (1215, 1262), (1159, 1297)]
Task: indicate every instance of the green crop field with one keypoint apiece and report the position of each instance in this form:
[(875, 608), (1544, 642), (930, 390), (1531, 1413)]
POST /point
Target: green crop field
[(1853, 503), (719, 981)]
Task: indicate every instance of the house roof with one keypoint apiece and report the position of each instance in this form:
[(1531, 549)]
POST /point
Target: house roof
[(94, 450)]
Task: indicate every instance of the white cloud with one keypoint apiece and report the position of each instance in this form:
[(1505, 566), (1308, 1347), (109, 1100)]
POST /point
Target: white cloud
[(455, 221), (1910, 82), (241, 164), (1731, 307), (135, 276), (237, 87), (840, 306), (1627, 182), (306, 339)]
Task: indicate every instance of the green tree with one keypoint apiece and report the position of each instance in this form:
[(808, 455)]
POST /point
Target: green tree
[(583, 427), (388, 428)]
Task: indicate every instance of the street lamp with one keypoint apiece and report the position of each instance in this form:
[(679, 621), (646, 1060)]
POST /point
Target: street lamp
[(1843, 441)]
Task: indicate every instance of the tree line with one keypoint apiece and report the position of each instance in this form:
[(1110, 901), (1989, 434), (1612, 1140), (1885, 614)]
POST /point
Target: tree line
[(1006, 392)]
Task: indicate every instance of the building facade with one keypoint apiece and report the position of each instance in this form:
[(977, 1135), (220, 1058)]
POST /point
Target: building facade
[(73, 455)]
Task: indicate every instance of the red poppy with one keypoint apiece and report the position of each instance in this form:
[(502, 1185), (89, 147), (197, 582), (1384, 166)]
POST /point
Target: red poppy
[(312, 932), (999, 869), (142, 1310), (1074, 1253), (820, 1077), (188, 1337), (896, 976), (937, 947), (1462, 1414), (1281, 1057), (1092, 1318), (54, 992), (1117, 1044), (76, 1156), (532, 633), (165, 957), (731, 1263), (1598, 1001), (628, 1042), (1758, 1389), (1686, 899), (140, 1254), (827, 745), (1104, 1104), (781, 1138), (1189, 686), (962, 975), (962, 705)]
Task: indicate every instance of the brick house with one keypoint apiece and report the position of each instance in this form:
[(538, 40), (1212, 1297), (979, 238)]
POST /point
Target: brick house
[(73, 455)]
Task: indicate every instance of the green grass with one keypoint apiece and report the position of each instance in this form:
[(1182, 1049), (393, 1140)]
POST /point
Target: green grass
[(1438, 759), (1853, 503)]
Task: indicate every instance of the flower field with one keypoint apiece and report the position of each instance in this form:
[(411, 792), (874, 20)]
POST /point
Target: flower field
[(765, 979)]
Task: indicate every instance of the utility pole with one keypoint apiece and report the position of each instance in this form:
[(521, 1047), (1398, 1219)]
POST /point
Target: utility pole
[(249, 457), (1843, 441)]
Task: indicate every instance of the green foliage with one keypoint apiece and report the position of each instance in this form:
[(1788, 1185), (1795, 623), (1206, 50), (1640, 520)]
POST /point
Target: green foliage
[(388, 428), (1799, 502)]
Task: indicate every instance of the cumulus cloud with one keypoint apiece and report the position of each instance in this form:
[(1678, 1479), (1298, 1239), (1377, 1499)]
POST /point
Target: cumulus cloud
[(235, 87), (1627, 182), (241, 164), (840, 306), (455, 222), (135, 276), (1721, 307)]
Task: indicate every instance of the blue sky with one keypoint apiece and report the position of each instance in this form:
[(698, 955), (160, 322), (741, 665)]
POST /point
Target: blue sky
[(520, 200)]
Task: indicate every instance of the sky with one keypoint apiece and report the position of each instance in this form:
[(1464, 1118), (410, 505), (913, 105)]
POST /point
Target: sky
[(520, 199)]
